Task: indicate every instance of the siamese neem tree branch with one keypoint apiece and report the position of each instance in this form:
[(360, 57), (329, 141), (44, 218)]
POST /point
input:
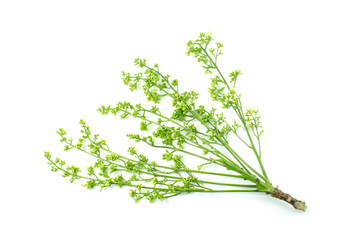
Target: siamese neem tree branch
[(188, 130)]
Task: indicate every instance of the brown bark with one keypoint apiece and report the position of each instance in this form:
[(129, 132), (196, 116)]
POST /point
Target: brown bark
[(297, 204)]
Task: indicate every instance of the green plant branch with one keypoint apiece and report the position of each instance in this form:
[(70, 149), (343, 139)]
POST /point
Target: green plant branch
[(189, 125)]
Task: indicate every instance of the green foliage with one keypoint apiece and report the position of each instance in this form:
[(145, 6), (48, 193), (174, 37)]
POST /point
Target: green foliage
[(188, 130)]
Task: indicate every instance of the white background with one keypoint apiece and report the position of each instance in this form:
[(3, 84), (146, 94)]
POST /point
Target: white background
[(301, 64)]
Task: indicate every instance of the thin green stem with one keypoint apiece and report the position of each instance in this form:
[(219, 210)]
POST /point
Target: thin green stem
[(70, 174), (150, 164), (240, 115)]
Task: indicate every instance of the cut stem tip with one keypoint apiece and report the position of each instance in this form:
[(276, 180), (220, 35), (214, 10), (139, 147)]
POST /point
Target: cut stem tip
[(297, 204)]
